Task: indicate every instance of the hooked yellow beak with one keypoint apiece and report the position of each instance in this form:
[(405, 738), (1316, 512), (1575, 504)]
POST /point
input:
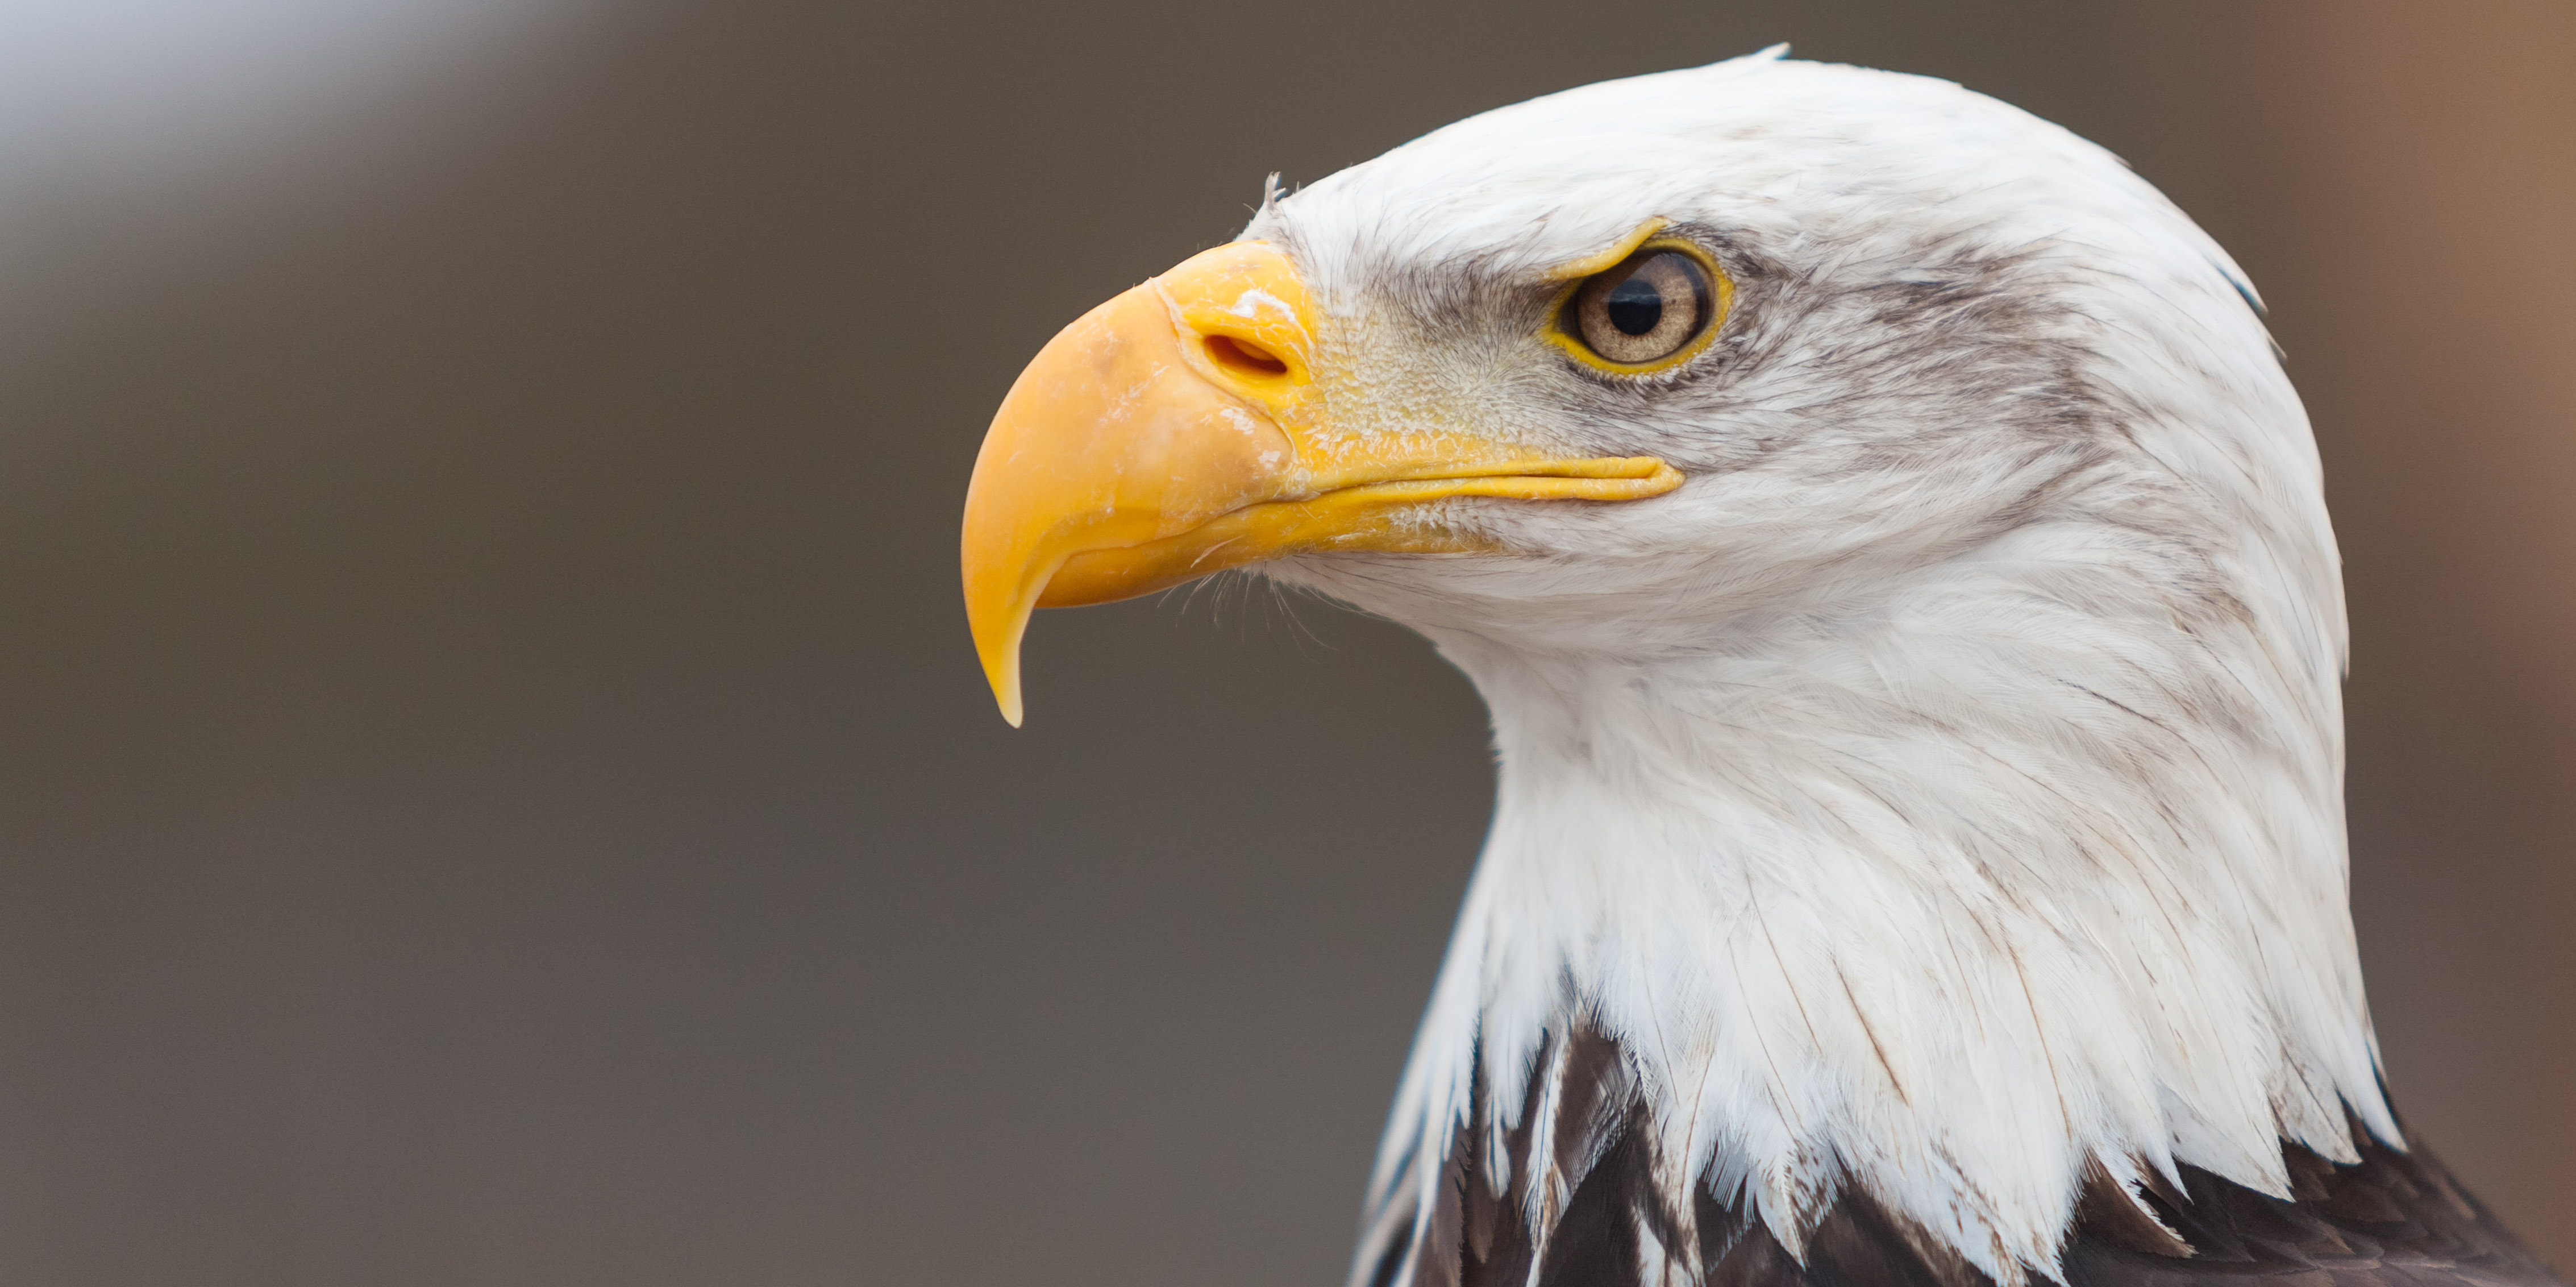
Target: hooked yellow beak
[(1181, 429)]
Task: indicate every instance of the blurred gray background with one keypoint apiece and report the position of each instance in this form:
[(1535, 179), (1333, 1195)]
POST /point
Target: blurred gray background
[(494, 787)]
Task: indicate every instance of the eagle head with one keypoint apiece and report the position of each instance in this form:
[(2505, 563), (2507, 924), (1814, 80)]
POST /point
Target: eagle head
[(1897, 568)]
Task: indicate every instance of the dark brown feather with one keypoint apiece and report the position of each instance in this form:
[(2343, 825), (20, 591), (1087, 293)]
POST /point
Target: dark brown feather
[(2393, 1219)]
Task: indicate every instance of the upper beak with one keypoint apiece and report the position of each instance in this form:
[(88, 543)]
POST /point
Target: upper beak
[(1181, 429)]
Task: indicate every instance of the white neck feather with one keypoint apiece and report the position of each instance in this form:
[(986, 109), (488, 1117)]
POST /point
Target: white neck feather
[(1950, 890)]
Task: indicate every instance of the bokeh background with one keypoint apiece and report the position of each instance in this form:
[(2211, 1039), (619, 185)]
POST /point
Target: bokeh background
[(493, 784)]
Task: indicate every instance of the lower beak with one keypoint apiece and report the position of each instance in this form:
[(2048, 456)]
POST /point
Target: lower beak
[(1180, 429)]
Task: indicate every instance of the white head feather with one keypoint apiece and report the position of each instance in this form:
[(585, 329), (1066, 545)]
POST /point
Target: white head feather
[(1940, 794)]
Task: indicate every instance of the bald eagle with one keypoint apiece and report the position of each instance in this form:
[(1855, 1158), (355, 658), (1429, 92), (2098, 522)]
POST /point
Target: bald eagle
[(1897, 568)]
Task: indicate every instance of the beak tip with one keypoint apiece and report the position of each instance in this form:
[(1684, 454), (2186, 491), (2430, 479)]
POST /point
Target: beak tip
[(1005, 679), (1002, 674), (997, 623)]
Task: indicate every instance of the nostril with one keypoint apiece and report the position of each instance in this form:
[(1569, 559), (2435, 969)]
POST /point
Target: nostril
[(1244, 356)]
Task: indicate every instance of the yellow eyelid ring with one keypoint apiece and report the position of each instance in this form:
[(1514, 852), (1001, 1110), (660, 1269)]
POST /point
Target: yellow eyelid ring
[(1637, 246), (1604, 260)]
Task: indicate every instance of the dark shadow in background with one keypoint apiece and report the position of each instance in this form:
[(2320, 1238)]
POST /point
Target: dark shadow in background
[(494, 787)]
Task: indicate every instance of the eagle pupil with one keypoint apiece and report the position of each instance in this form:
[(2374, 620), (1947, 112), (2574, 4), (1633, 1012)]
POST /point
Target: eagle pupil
[(1635, 306)]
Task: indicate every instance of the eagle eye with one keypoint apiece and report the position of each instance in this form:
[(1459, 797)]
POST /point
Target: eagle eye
[(1650, 311)]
